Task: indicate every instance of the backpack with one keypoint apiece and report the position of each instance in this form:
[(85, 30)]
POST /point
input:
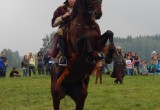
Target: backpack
[(1, 64)]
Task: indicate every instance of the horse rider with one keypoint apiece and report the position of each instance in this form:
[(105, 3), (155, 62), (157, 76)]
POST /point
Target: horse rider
[(61, 18)]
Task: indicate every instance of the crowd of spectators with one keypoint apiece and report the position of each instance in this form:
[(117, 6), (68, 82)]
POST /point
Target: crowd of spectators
[(29, 64), (134, 65)]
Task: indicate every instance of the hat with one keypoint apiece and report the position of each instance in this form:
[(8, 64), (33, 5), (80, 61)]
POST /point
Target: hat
[(154, 52), (118, 47)]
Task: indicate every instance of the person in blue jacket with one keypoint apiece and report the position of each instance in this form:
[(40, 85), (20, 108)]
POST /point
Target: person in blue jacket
[(157, 69), (2, 66)]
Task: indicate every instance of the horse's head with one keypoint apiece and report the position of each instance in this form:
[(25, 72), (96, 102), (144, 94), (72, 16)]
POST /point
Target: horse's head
[(95, 8)]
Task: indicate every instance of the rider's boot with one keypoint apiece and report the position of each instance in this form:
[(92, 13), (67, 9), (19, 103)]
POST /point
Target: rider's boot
[(63, 50)]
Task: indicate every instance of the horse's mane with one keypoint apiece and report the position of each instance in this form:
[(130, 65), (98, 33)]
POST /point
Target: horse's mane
[(80, 6)]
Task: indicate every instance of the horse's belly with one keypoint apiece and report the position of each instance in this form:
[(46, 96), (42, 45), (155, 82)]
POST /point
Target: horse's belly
[(79, 70)]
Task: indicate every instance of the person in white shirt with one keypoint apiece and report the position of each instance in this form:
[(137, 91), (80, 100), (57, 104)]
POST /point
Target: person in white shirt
[(129, 66)]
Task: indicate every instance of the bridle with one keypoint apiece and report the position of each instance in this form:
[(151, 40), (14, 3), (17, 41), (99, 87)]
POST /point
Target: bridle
[(90, 11), (90, 3)]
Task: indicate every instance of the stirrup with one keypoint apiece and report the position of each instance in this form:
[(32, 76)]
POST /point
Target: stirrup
[(101, 56), (61, 63)]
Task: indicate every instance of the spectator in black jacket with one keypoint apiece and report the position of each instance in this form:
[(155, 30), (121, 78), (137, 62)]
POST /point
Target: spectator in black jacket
[(40, 63), (25, 66), (14, 73), (48, 61)]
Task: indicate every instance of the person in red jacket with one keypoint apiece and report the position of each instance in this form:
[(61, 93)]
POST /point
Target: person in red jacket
[(61, 18)]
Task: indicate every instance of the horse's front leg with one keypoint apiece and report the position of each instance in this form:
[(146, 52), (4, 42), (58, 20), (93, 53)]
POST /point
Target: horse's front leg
[(79, 94), (57, 93), (56, 104), (56, 97), (108, 35), (102, 40)]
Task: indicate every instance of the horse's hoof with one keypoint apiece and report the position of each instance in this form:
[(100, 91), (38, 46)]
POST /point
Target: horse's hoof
[(109, 33)]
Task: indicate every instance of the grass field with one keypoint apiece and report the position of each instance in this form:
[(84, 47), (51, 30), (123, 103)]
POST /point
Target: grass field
[(136, 93)]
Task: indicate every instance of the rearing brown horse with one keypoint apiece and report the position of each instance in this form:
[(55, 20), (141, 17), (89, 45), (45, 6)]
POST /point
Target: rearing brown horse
[(84, 38)]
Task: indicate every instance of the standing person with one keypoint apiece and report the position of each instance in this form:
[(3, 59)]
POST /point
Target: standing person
[(48, 61), (152, 65), (129, 66), (31, 60), (61, 18), (40, 63), (2, 66), (137, 62), (118, 66), (4, 58), (25, 66)]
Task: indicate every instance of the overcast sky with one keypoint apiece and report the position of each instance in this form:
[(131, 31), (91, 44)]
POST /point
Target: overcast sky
[(23, 23)]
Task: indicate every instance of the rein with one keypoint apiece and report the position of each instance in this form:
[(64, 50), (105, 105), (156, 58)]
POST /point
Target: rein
[(90, 5)]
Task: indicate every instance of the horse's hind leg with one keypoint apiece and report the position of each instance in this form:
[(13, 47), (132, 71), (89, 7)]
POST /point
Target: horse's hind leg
[(57, 96)]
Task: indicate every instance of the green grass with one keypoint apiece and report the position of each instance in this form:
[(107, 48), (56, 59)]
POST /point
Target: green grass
[(136, 93)]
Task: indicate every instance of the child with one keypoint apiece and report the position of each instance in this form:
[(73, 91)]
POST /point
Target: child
[(143, 68), (14, 73), (129, 66)]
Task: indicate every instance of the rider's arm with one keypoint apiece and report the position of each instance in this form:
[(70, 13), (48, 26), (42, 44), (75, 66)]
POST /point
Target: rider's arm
[(59, 16), (57, 20)]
